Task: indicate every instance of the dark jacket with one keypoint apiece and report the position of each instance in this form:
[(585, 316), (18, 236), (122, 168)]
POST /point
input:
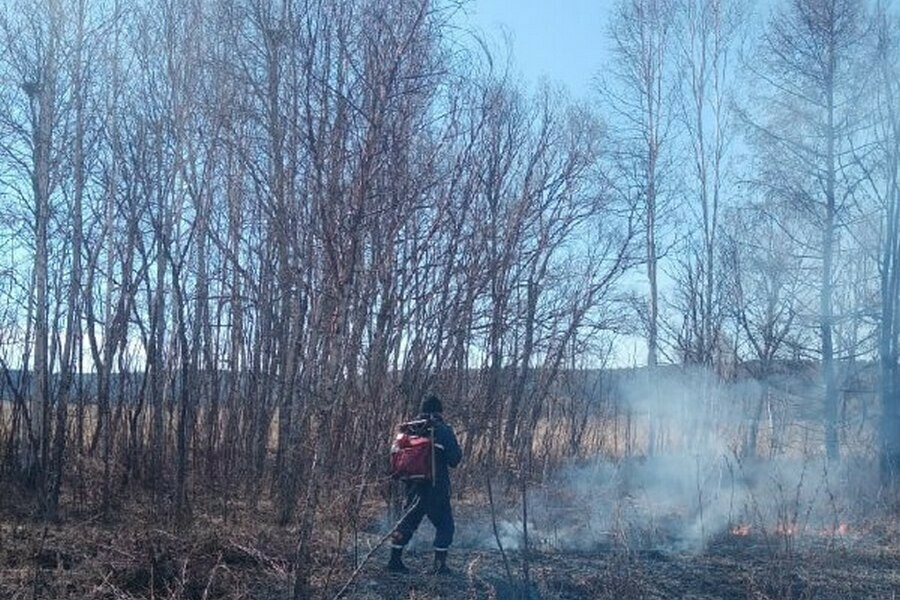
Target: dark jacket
[(448, 453)]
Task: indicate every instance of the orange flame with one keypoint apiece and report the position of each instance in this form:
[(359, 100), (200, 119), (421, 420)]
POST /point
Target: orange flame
[(792, 529), (786, 529), (840, 530)]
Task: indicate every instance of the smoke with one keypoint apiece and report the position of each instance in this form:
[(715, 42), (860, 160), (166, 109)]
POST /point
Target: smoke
[(696, 484)]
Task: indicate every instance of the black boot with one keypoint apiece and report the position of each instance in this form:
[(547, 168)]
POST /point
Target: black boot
[(440, 563), (395, 565)]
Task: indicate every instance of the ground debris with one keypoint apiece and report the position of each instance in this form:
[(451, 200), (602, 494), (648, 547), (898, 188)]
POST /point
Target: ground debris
[(245, 561), (739, 571), (136, 560)]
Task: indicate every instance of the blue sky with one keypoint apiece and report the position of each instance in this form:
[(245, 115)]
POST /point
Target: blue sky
[(567, 42), (563, 41)]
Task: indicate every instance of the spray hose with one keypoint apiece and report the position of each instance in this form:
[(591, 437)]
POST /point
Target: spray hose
[(380, 543)]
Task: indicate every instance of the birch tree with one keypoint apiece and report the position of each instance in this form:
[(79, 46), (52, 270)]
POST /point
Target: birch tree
[(639, 96), (810, 69)]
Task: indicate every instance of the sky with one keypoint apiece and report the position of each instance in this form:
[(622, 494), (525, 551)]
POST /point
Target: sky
[(563, 41), (566, 42)]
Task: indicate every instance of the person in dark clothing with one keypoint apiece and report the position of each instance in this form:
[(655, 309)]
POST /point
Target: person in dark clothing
[(430, 498)]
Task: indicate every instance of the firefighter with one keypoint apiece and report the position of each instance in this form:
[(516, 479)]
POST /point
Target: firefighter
[(430, 498)]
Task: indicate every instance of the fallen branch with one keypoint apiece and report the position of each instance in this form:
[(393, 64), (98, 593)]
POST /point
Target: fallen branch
[(212, 575), (37, 563), (365, 559), (257, 555), (490, 490)]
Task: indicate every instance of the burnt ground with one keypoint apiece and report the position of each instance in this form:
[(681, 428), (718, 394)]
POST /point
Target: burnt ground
[(730, 568), (138, 559)]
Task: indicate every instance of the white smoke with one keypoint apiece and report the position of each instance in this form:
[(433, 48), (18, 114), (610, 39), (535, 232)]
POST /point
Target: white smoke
[(693, 488)]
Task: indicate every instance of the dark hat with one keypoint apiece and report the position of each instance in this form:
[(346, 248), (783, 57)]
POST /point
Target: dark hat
[(431, 404)]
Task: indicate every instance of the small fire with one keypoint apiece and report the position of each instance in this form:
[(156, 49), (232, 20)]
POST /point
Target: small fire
[(786, 529), (840, 530), (792, 529)]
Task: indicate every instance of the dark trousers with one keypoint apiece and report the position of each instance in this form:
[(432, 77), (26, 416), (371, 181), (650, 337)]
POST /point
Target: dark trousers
[(423, 500)]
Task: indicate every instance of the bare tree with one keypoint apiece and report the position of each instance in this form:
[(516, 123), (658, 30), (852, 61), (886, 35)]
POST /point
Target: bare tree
[(765, 298), (639, 98), (709, 30), (810, 66), (72, 341), (882, 167), (35, 58)]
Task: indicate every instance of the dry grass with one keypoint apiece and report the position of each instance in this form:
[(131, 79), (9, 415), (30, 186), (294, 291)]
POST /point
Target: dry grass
[(141, 557)]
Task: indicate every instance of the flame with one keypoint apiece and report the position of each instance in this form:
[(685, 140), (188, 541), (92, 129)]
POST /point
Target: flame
[(786, 529), (839, 530), (791, 529)]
